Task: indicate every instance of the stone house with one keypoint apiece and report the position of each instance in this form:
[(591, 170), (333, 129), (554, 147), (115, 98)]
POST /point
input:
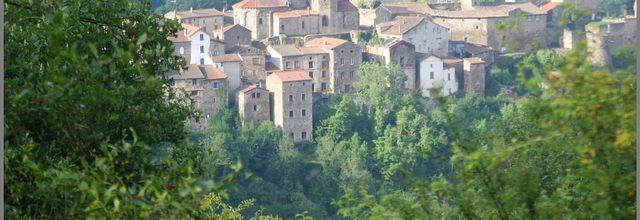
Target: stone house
[(345, 58), (437, 79), (254, 105), (477, 25), (204, 84), (210, 19), (267, 18), (387, 13), (313, 60), (195, 45), (467, 50), (253, 62), (395, 51), (230, 65), (234, 35), (292, 103), (474, 75), (427, 36)]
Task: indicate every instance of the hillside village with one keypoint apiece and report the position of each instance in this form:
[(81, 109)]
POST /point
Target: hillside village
[(272, 59)]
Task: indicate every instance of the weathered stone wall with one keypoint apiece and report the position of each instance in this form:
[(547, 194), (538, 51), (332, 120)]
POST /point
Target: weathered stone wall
[(237, 36), (301, 101), (474, 77), (347, 21), (345, 61), (298, 26), (254, 106)]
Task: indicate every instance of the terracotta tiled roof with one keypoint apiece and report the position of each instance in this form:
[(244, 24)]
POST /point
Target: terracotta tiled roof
[(212, 73), (548, 6), (260, 4), (184, 34), (294, 13), (407, 8), (247, 89), (291, 76), (451, 60), (194, 71), (400, 25), (325, 42), (226, 58), (312, 50), (474, 60), (497, 11), (194, 13), (346, 5)]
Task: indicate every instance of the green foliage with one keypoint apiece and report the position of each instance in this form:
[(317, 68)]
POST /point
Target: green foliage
[(573, 18), (614, 8)]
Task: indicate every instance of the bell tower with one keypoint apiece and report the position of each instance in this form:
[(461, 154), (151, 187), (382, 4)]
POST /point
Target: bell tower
[(327, 9)]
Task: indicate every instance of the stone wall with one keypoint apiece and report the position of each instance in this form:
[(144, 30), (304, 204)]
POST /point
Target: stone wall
[(290, 100), (254, 106), (474, 76), (344, 63), (237, 36)]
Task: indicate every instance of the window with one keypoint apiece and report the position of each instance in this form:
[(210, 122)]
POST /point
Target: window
[(215, 85), (290, 114), (290, 98), (260, 21), (201, 49), (351, 75), (201, 37), (286, 65), (351, 60), (324, 74), (431, 65), (255, 108), (201, 61), (304, 135), (310, 64), (344, 20), (194, 93), (256, 61), (282, 27), (181, 50), (449, 76), (477, 27), (253, 95), (313, 87), (215, 52), (291, 135), (302, 24), (303, 97), (258, 94), (311, 74), (304, 112), (402, 61), (431, 75), (323, 87), (466, 38), (325, 21), (341, 61), (296, 64), (324, 64), (194, 82)]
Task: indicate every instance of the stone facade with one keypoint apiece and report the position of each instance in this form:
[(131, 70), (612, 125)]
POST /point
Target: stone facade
[(203, 83), (292, 103), (436, 79), (345, 58), (267, 18), (605, 37), (474, 75), (210, 19), (395, 51), (331, 63), (477, 25), (386, 13), (253, 63), (254, 105), (234, 35), (427, 36)]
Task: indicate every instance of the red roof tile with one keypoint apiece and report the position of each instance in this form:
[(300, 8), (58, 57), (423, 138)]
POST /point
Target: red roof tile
[(400, 25), (184, 34), (291, 76), (325, 42), (212, 73), (226, 58), (259, 4), (294, 13), (474, 60), (546, 7), (247, 89)]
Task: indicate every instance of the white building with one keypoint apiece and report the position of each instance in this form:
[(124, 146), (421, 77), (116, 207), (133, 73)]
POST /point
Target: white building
[(194, 44), (230, 65), (427, 36), (436, 79)]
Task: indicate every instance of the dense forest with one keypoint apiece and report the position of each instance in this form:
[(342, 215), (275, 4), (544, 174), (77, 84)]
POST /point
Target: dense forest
[(89, 133)]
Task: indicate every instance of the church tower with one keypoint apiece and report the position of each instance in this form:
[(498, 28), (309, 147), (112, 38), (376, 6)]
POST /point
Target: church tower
[(327, 9)]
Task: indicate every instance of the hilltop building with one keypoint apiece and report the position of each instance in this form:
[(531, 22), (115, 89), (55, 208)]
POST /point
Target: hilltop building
[(427, 36), (210, 19), (254, 105), (292, 103), (395, 51), (436, 78), (195, 45)]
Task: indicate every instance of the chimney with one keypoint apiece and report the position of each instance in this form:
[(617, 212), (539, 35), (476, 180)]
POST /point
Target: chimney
[(191, 9)]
